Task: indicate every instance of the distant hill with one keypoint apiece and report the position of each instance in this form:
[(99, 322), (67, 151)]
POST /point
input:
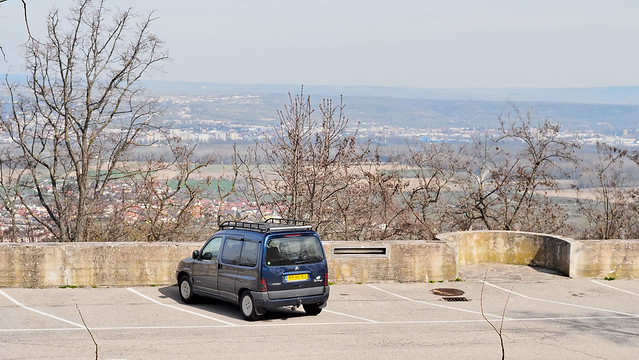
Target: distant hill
[(603, 110), (612, 95), (615, 95)]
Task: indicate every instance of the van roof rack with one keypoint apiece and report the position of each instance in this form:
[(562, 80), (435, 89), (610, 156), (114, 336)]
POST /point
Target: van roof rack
[(268, 226)]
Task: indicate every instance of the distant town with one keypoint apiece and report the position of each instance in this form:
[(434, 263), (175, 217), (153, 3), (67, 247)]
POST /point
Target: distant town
[(209, 119)]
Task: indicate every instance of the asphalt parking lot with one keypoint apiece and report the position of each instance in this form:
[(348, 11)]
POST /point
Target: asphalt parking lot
[(541, 315)]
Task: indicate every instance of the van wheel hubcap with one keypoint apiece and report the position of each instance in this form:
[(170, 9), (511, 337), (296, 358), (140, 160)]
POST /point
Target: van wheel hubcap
[(247, 305), (186, 289)]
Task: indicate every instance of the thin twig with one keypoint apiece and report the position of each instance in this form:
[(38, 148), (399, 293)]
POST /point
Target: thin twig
[(86, 327), (503, 315), (26, 19), (26, 23)]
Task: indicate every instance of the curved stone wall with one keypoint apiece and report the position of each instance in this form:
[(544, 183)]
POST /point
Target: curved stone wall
[(512, 247)]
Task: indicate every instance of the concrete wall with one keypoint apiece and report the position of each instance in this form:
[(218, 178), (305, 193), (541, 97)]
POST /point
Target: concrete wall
[(510, 247), (574, 258), (125, 264), (605, 258), (86, 264), (413, 261)]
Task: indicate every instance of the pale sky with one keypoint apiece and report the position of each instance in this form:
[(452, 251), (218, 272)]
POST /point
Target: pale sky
[(414, 43)]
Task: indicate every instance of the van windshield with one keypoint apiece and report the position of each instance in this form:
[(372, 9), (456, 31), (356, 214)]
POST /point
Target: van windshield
[(293, 250)]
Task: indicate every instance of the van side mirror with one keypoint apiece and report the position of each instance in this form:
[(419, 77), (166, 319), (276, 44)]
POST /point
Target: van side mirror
[(196, 254)]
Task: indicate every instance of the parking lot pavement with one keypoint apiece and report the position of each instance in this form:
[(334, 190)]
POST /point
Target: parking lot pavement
[(540, 315)]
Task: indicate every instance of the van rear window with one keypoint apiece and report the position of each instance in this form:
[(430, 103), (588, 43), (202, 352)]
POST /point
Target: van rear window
[(293, 250)]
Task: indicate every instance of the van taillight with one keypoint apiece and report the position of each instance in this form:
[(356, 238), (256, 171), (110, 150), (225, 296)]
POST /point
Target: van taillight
[(262, 285), (326, 279)]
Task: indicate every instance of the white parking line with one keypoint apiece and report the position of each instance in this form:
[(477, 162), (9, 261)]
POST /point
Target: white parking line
[(561, 303), (228, 323), (350, 316), (179, 309), (355, 320), (616, 288), (351, 323), (438, 305), (38, 311)]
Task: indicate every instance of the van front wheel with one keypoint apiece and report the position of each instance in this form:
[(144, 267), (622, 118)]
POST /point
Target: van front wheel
[(247, 306), (185, 286)]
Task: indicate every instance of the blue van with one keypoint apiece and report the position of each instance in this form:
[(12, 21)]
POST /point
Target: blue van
[(260, 266)]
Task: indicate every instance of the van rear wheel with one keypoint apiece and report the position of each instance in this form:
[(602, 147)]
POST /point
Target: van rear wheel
[(247, 306), (312, 309)]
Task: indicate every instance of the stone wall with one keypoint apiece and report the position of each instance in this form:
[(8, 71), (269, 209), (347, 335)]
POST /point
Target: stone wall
[(127, 264), (370, 261), (87, 264), (605, 258), (574, 258), (510, 247)]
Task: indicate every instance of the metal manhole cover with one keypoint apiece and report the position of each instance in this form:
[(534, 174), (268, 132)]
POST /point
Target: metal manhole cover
[(459, 298), (447, 292)]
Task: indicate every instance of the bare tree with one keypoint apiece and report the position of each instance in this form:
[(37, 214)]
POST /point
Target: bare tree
[(173, 197), (82, 112), (274, 170), (508, 189), (168, 207), (429, 195), (162, 214), (10, 173), (477, 187), (613, 211), (223, 192), (527, 175), (369, 208), (301, 170)]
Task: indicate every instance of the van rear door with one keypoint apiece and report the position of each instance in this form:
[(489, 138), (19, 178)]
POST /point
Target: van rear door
[(294, 261), (238, 267)]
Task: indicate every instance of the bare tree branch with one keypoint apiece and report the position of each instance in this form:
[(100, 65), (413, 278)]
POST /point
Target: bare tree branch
[(26, 24)]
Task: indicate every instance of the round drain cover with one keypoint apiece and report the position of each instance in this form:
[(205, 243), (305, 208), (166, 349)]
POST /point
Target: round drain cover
[(447, 292)]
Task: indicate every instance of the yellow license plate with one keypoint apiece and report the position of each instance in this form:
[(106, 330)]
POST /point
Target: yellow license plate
[(297, 277)]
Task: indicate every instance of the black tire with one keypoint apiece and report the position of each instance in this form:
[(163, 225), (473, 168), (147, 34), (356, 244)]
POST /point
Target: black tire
[(247, 307), (185, 288), (312, 309)]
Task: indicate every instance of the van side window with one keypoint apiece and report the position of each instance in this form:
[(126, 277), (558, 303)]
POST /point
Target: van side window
[(249, 254), (231, 251), (211, 249)]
